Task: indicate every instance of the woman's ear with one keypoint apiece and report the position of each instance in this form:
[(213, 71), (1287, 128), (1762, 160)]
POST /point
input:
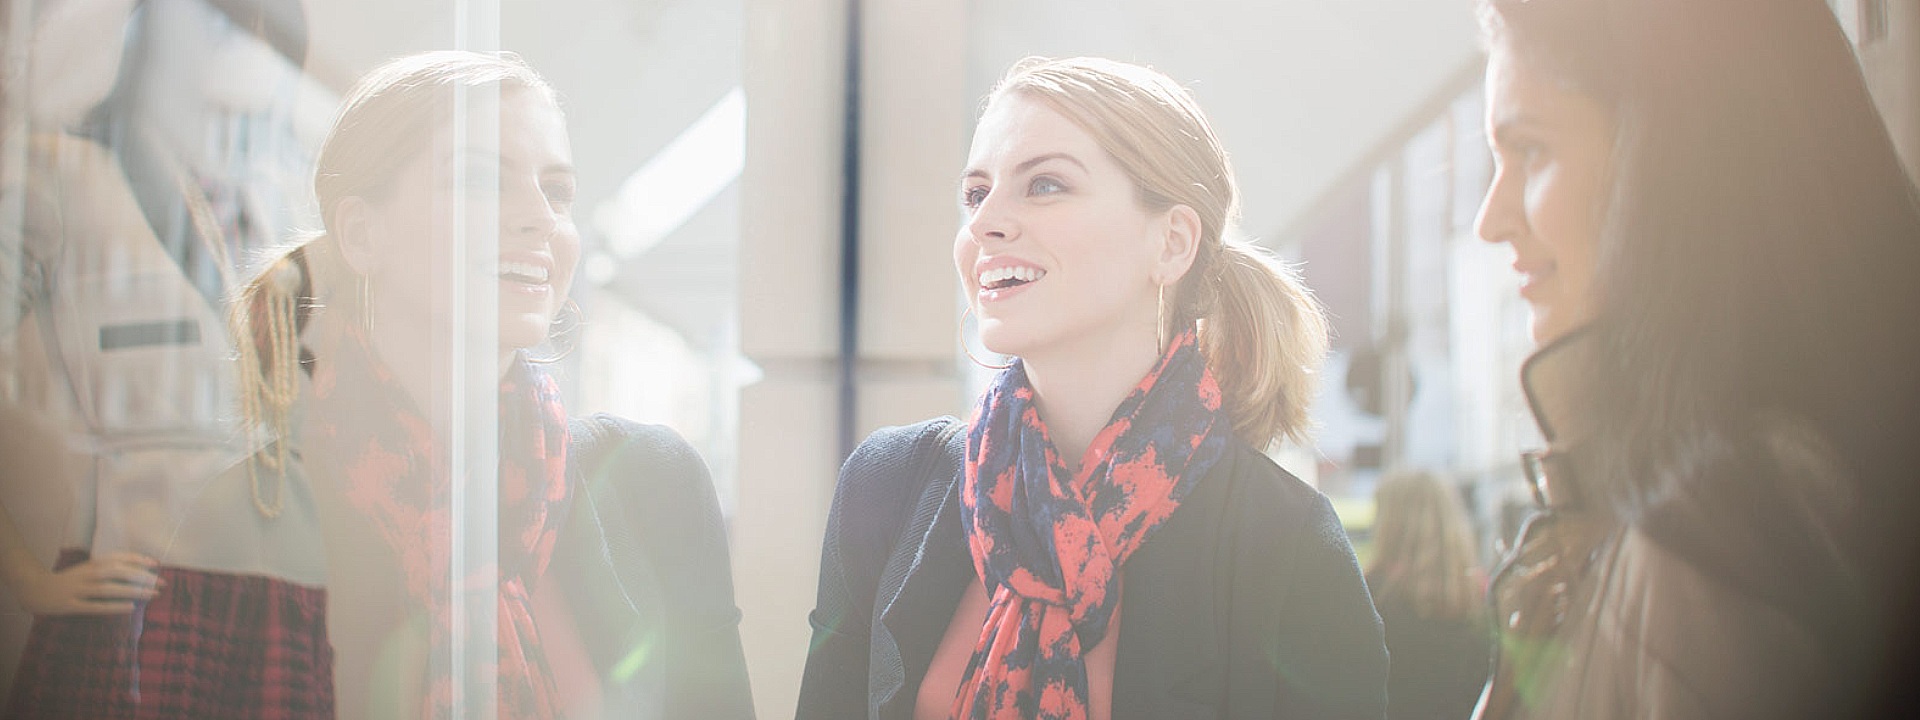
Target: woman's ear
[(1181, 244), (353, 230)]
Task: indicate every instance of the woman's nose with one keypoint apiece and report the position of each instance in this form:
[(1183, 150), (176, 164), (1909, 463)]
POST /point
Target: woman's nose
[(991, 221), (1501, 217), (527, 210)]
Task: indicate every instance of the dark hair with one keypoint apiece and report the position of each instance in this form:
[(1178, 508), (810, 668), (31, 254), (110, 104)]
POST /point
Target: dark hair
[(1761, 243)]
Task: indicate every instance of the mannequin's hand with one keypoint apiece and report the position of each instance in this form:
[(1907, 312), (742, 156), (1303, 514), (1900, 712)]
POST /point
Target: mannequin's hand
[(105, 585)]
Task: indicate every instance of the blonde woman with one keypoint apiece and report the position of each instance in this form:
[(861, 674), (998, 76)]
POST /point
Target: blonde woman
[(623, 514), (1105, 538), (1428, 585)]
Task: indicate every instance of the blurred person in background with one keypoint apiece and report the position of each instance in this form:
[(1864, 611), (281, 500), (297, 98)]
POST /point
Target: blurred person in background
[(353, 353), (1720, 250), (1105, 538), (185, 586), (1429, 587)]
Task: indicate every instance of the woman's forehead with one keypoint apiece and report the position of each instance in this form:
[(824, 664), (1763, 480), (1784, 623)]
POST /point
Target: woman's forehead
[(1016, 128), (1521, 93), (528, 124)]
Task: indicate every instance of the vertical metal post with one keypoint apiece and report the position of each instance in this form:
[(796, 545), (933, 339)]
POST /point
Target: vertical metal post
[(850, 242)]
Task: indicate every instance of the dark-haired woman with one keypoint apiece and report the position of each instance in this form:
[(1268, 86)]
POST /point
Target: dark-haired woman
[(1719, 248)]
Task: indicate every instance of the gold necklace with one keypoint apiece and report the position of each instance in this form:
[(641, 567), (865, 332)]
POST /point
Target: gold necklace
[(267, 386)]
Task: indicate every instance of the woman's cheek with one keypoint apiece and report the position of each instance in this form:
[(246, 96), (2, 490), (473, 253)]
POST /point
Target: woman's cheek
[(963, 257)]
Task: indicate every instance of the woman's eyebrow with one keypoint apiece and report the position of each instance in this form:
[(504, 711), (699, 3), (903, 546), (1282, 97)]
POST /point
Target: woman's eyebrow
[(1029, 164), (488, 157)]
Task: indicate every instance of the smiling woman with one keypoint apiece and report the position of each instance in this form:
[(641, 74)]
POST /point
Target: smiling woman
[(1719, 247), (1555, 157), (1157, 358), (367, 310), (378, 373)]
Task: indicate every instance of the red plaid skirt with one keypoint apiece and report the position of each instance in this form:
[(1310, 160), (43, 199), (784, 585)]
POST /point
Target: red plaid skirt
[(210, 646)]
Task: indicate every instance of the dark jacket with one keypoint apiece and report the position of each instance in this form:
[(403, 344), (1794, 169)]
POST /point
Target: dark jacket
[(1247, 603), (643, 564), (1734, 593)]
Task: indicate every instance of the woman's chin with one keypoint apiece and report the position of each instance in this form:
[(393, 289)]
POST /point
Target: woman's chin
[(1547, 326), (1000, 341), (1542, 331), (521, 333)]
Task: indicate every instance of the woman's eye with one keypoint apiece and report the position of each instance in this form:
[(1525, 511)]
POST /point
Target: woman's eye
[(973, 196), (560, 194), (1044, 185)]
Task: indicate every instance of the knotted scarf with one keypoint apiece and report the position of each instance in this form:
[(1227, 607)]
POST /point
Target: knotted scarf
[(394, 472), (1048, 543)]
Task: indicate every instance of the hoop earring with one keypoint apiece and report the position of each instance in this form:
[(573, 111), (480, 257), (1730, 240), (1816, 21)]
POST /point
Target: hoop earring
[(1160, 318), (968, 350), (579, 319), (366, 308), (579, 316)]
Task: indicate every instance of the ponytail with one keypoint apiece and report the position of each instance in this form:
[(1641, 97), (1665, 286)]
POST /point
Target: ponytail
[(1264, 336)]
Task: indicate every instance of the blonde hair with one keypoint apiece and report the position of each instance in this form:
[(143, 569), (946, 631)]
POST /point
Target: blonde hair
[(1264, 335), (1423, 546), (385, 121)]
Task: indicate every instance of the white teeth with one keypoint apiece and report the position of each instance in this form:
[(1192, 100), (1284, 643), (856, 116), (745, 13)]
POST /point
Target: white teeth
[(523, 271), (1020, 273)]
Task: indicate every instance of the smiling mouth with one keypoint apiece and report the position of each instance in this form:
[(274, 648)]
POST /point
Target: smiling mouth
[(1009, 277), (524, 273)]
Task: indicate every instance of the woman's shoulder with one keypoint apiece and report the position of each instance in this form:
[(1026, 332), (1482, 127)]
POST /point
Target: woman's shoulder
[(1776, 491), (649, 491), (891, 446), (1701, 641), (628, 436), (1264, 494), (1289, 527), (901, 460), (1299, 600), (1773, 517), (605, 446)]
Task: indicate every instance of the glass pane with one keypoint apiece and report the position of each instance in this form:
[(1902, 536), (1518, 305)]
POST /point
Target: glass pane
[(299, 301)]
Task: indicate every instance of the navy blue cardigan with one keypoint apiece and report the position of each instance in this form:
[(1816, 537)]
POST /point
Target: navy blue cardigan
[(1247, 603), (642, 561)]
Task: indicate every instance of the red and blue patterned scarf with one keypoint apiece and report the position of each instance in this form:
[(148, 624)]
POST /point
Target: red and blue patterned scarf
[(1048, 543), (383, 455)]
